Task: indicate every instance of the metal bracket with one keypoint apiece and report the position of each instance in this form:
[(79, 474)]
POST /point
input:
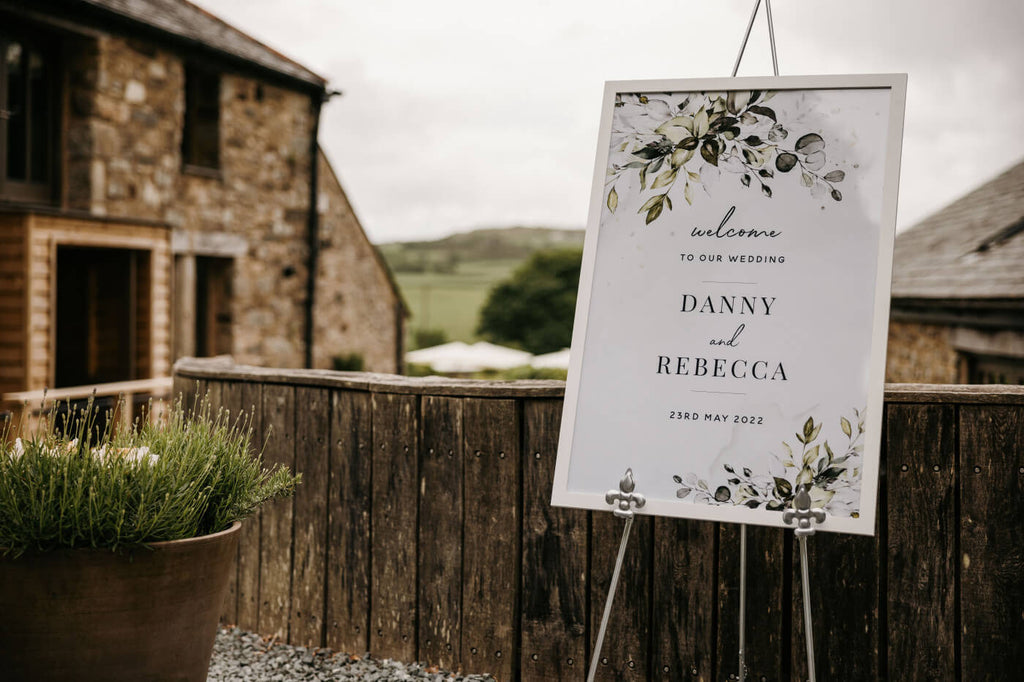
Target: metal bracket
[(802, 513), (624, 498)]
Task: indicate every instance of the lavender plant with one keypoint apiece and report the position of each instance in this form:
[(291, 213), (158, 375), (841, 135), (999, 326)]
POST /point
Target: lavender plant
[(188, 474)]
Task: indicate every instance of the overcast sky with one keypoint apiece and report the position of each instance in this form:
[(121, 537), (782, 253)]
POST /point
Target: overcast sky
[(459, 114)]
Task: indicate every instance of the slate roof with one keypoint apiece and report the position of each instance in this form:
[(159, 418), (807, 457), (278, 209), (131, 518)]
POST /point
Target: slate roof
[(190, 24), (972, 249)]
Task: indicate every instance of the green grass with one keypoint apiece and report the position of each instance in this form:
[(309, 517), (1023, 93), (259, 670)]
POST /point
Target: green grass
[(452, 302)]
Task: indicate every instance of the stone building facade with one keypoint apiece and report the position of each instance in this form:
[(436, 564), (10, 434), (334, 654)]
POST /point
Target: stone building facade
[(921, 354), (348, 262), (183, 151)]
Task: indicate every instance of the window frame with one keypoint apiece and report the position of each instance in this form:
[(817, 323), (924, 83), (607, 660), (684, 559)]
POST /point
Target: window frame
[(195, 158), (28, 190)]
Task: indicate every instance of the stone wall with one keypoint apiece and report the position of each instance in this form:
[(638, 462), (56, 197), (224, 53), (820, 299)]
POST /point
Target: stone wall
[(921, 354), (357, 309), (126, 102)]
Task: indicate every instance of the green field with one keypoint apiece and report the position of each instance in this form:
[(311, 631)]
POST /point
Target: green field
[(451, 301), (445, 282)]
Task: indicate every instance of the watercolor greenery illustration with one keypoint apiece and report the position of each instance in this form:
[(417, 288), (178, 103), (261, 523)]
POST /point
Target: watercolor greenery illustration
[(678, 144), (834, 478)]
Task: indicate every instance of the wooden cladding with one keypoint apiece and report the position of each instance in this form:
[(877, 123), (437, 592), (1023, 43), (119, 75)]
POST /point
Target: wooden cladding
[(423, 531), (13, 302), (121, 267)]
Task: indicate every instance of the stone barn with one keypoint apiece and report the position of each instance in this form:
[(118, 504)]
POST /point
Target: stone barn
[(163, 194)]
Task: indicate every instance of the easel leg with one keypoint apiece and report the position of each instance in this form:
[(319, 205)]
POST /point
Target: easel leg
[(741, 675), (608, 601), (805, 579)]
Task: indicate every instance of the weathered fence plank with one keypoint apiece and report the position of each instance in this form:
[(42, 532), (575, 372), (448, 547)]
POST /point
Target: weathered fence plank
[(441, 507), (554, 571), (278, 408), (348, 543), (395, 477), (992, 544), (230, 400), (627, 644), (312, 435), (768, 616), (844, 606), (183, 388), (491, 539), (922, 538), (684, 600), (211, 390), (249, 540)]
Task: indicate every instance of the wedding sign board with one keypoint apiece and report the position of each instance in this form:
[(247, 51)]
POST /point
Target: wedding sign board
[(731, 323)]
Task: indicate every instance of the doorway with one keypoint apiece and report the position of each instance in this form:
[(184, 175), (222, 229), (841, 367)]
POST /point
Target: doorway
[(213, 306), (102, 315)]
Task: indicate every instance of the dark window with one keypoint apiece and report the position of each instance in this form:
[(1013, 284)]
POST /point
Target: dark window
[(27, 97), (990, 369), (200, 142)]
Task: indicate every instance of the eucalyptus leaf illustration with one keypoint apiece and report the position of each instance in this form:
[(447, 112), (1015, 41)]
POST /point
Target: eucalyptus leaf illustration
[(613, 200), (834, 480), (786, 162), (706, 134), (810, 143)]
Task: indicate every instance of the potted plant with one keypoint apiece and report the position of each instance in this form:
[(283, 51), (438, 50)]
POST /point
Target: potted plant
[(116, 546)]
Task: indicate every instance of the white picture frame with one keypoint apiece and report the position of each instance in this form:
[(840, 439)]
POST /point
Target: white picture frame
[(731, 323)]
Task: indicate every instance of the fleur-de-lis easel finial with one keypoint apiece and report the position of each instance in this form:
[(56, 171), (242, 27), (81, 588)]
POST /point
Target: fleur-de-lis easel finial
[(802, 512), (624, 498)]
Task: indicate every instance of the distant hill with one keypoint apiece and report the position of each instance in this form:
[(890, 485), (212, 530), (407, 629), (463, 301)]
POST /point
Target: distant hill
[(504, 244)]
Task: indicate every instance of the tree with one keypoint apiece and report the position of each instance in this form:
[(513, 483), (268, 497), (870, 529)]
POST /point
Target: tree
[(534, 307)]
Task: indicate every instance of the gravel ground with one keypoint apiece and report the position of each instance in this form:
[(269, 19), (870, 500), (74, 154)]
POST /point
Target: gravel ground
[(240, 656)]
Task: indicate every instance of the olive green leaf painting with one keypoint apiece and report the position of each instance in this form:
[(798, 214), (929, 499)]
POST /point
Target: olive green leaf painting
[(834, 474), (675, 143)]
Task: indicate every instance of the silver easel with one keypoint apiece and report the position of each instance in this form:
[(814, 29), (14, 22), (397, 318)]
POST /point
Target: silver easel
[(805, 518), (624, 499), (741, 674)]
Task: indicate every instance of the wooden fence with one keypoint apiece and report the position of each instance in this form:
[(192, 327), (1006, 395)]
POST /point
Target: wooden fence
[(422, 531)]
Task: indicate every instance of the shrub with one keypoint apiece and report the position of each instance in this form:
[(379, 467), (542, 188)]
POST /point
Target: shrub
[(348, 362), (427, 337)]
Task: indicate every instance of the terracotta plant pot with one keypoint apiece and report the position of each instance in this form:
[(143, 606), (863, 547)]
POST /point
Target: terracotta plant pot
[(93, 615)]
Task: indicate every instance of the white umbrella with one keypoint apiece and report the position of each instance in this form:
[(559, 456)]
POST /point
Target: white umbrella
[(458, 357), (557, 360), (492, 356), (448, 355)]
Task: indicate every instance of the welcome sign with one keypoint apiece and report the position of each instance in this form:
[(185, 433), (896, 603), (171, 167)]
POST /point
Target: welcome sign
[(730, 331)]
